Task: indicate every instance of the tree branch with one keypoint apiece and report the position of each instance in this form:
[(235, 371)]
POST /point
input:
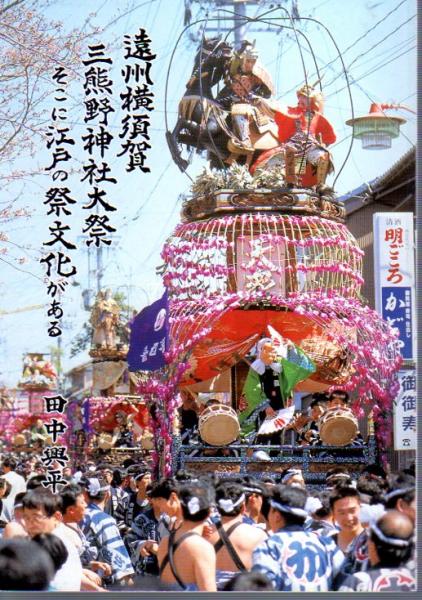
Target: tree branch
[(11, 5)]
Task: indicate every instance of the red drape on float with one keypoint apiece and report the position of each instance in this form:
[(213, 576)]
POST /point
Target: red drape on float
[(235, 332), (108, 421)]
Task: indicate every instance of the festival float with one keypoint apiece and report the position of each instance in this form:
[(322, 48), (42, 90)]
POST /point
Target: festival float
[(22, 409), (38, 375), (262, 254), (111, 425)]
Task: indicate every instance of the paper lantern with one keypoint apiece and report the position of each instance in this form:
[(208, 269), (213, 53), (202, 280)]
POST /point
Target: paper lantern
[(376, 130)]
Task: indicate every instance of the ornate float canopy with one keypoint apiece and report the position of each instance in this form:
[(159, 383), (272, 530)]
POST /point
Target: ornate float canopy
[(263, 242), (38, 373), (256, 251), (231, 275)]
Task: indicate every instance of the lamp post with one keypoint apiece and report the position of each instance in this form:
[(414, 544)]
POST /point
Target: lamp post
[(376, 129)]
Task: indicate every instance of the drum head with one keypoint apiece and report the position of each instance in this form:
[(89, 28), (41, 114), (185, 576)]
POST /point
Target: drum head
[(105, 441), (338, 430), (219, 426), (147, 441)]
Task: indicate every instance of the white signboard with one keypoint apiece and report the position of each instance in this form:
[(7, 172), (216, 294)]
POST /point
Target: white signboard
[(394, 270), (405, 412), (261, 265)]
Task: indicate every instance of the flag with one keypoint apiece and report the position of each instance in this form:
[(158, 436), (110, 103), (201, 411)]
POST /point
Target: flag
[(149, 340), (296, 367)]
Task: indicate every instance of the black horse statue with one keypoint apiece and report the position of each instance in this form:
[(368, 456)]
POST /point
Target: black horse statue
[(237, 124), (200, 123)]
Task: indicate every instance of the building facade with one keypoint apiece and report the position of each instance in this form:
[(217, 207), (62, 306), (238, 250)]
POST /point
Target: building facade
[(393, 191)]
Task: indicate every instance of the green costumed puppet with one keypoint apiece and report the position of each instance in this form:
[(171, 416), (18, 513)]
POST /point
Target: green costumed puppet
[(279, 367)]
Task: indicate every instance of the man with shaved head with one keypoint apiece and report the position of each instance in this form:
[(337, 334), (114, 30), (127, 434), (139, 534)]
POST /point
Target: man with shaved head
[(389, 547)]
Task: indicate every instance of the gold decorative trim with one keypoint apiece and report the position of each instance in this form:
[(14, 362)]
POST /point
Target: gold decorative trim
[(112, 353), (210, 467), (239, 201)]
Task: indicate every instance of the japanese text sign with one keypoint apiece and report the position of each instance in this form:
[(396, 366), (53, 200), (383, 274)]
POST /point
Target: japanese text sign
[(260, 265), (405, 412), (394, 268)]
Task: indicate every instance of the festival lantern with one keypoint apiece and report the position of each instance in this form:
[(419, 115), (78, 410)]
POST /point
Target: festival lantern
[(376, 129)]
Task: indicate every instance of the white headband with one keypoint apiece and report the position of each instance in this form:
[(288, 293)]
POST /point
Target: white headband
[(253, 490), (389, 540), (95, 487), (398, 492), (194, 505), (312, 504), (290, 473), (370, 513), (335, 475), (299, 512), (141, 475), (228, 505)]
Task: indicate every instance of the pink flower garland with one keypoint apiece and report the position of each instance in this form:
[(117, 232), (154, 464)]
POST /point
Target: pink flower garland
[(161, 391), (197, 254), (376, 355), (200, 251)]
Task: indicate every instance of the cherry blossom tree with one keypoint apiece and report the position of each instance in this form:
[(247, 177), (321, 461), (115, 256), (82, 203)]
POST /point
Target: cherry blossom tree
[(31, 47)]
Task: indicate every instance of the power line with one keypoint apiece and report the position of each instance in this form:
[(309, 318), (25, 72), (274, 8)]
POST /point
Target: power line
[(352, 45), (372, 48), (374, 70), (355, 82), (155, 15), (389, 52), (18, 269), (407, 97), (163, 230), (157, 183), (367, 95), (128, 12)]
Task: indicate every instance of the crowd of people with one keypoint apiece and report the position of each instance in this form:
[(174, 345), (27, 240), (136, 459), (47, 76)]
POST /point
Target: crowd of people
[(118, 528)]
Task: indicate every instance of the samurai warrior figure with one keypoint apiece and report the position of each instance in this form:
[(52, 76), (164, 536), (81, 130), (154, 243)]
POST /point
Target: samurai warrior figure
[(104, 318), (306, 134), (248, 84)]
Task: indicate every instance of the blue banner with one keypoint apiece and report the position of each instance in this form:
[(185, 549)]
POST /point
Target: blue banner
[(149, 337), (397, 311)]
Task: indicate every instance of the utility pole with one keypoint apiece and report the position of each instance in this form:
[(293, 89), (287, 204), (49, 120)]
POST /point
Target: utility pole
[(59, 365), (234, 12), (99, 271), (239, 23), (95, 272)]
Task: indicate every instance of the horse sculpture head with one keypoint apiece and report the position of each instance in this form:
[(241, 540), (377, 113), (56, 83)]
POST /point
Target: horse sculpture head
[(211, 60), (215, 47), (212, 52)]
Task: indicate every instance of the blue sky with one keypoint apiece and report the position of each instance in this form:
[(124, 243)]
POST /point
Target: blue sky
[(378, 49)]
